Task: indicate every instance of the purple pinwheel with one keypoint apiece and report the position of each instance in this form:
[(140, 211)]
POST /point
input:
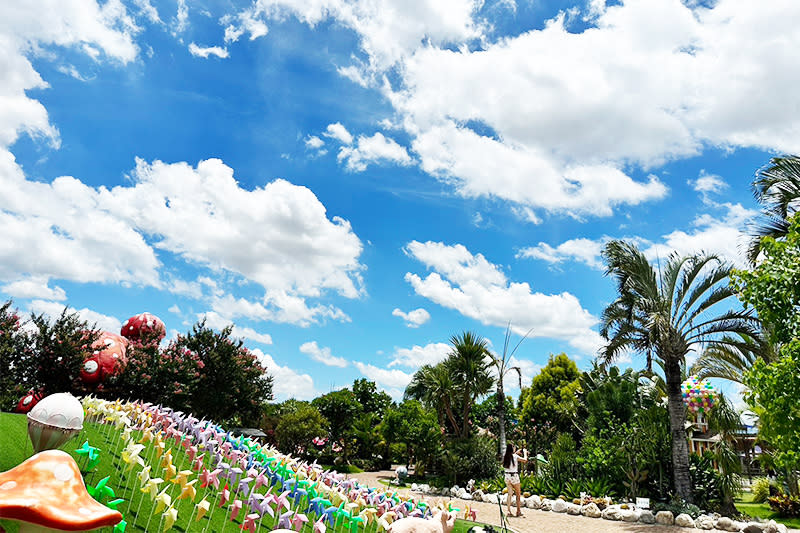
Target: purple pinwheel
[(285, 521)]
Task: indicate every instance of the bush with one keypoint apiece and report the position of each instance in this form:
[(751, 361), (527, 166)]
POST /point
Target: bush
[(786, 506), (474, 458), (676, 507), (705, 480), (761, 490)]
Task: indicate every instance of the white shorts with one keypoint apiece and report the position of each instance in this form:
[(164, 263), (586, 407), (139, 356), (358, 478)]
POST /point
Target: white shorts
[(512, 478)]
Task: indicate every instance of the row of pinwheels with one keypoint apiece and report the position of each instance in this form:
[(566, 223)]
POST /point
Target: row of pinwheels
[(176, 465)]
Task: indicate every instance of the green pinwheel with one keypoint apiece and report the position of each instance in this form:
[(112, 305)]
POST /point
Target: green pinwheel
[(101, 491), (92, 455)]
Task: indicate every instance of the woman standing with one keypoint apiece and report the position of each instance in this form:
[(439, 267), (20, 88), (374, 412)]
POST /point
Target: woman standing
[(511, 462)]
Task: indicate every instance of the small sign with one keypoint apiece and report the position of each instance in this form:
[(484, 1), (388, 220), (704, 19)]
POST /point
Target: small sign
[(643, 503)]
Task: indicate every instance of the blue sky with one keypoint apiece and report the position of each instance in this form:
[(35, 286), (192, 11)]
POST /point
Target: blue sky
[(351, 182)]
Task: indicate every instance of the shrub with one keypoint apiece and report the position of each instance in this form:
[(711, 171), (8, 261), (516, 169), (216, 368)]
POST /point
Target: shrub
[(786, 506), (676, 507), (761, 489), (473, 458)]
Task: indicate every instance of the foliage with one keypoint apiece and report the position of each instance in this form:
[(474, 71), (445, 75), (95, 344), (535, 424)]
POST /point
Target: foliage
[(468, 363), (666, 314), (340, 408), (777, 189), (761, 489), (705, 480), (55, 352), (773, 286), (553, 397), (677, 506), (774, 391), (12, 351), (298, 427), (233, 384), (562, 465), (486, 414), (433, 386), (785, 505), (473, 458), (369, 397)]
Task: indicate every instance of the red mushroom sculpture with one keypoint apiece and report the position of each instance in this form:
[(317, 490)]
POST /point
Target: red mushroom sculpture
[(107, 359), (144, 327), (29, 401), (46, 493)]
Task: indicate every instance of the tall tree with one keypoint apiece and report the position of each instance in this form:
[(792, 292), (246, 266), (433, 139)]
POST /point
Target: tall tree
[(433, 386), (552, 399), (502, 365), (667, 314), (469, 363), (777, 189)]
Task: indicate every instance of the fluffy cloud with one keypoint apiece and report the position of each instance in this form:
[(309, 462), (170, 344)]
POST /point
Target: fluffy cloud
[(34, 288), (339, 132), (216, 321), (374, 149), (322, 355), (580, 250), (417, 356), (54, 310), (478, 289), (388, 378), (415, 318), (313, 142), (287, 383), (204, 52)]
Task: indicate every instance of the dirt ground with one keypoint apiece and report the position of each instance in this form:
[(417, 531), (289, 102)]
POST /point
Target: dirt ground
[(533, 520)]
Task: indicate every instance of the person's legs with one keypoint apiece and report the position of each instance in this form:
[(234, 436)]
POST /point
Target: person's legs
[(517, 489), (510, 487)]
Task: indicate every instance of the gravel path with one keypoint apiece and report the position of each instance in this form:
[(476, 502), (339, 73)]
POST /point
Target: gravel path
[(533, 521)]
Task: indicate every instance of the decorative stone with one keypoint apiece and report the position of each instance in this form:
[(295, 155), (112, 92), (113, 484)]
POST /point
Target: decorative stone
[(611, 513), (414, 487), (559, 506), (573, 509), (526, 494), (665, 518), (646, 517), (684, 520), (534, 502), (591, 510), (466, 496), (704, 522), (724, 523), (754, 527), (487, 498), (546, 505)]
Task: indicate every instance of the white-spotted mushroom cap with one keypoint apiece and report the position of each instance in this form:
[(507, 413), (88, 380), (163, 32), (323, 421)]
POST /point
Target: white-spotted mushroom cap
[(47, 490), (143, 325)]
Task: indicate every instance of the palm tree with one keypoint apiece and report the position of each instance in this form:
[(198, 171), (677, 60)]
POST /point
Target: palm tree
[(777, 189), (469, 362), (668, 314), (433, 386), (501, 364), (730, 361)]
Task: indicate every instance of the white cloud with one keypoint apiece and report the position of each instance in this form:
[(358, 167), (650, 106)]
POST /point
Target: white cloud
[(322, 355), (174, 309), (54, 310), (181, 18), (478, 289), (339, 132), (147, 9), (374, 149), (286, 383), (581, 250), (388, 378), (314, 142), (414, 318), (215, 321), (708, 183), (417, 356), (204, 52), (248, 21), (34, 288)]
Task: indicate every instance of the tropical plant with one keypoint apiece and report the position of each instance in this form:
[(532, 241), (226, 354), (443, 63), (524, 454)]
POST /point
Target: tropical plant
[(551, 400), (503, 366), (731, 360), (725, 421), (298, 428), (777, 189), (433, 386), (667, 314), (761, 489), (469, 362)]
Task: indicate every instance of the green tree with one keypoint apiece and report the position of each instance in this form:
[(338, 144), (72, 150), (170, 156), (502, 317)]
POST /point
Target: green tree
[(340, 408), (13, 350), (774, 393), (57, 351), (502, 365), (433, 386), (668, 314), (232, 385), (370, 398), (298, 427), (469, 363), (553, 397), (777, 189)]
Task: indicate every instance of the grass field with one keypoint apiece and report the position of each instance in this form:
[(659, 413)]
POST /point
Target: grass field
[(746, 505), (15, 447)]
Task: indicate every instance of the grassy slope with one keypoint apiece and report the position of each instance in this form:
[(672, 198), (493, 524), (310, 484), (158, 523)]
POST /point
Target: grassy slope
[(761, 510), (15, 448)]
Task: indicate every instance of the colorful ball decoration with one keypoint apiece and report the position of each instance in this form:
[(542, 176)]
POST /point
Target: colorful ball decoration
[(108, 358), (698, 395), (143, 327)]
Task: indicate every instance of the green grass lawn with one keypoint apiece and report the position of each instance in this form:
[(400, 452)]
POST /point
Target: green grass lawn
[(15, 447), (761, 510)]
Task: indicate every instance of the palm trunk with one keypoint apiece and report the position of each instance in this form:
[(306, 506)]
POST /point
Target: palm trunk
[(465, 422), (450, 416), (677, 419), (501, 415)]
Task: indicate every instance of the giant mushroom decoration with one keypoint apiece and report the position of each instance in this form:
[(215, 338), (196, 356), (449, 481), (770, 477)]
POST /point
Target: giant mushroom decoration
[(29, 401), (46, 493), (109, 357), (144, 327), (54, 421)]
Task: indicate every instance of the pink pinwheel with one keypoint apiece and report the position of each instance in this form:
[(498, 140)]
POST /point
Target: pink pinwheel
[(191, 453), (260, 481), (236, 506), (282, 500), (224, 496), (198, 462), (250, 523), (298, 521)]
